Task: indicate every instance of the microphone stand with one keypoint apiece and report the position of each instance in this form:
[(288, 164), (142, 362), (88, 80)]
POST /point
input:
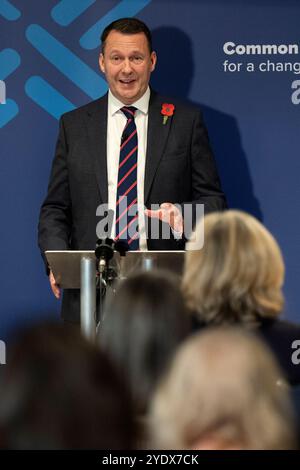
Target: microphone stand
[(104, 252)]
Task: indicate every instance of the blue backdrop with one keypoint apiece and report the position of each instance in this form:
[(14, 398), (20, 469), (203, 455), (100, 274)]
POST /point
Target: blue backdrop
[(49, 63)]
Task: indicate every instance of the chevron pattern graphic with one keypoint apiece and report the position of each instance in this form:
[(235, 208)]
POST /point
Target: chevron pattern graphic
[(64, 61)]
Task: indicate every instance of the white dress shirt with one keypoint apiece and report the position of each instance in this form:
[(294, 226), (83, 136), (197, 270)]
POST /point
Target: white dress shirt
[(116, 121)]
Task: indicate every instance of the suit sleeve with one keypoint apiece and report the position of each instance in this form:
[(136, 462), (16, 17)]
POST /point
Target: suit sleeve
[(205, 182), (206, 186), (55, 220)]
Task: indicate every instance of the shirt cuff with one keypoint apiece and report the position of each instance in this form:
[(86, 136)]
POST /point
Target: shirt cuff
[(177, 235)]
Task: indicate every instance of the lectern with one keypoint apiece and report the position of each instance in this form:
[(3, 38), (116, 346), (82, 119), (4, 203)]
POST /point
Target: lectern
[(78, 270)]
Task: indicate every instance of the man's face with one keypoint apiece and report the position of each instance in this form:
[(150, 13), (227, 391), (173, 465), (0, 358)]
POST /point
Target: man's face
[(127, 65)]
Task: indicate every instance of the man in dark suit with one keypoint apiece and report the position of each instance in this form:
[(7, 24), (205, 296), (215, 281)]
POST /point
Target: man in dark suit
[(175, 164)]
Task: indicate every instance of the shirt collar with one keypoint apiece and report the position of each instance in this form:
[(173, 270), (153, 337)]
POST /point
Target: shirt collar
[(142, 104)]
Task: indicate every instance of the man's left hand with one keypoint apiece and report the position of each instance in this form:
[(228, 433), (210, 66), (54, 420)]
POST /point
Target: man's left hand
[(170, 214)]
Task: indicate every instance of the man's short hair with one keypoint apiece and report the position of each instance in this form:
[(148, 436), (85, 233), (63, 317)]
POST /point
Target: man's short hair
[(127, 26)]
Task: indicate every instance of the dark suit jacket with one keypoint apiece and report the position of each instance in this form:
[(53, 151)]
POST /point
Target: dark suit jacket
[(279, 335), (180, 168)]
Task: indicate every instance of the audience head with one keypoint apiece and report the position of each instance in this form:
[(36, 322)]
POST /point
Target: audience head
[(238, 275), (222, 392), (60, 392), (143, 325)]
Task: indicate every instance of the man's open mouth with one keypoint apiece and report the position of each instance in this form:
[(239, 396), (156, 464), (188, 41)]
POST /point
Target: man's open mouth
[(127, 81)]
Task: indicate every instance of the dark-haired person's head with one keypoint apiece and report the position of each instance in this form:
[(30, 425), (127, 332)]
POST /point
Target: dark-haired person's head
[(127, 58), (60, 392), (127, 26), (143, 325)]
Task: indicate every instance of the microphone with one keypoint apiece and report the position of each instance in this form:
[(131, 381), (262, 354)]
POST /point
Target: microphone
[(121, 246), (104, 252)]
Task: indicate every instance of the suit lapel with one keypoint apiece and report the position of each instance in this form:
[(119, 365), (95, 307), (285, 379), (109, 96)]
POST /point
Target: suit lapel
[(97, 136), (97, 132), (156, 140)]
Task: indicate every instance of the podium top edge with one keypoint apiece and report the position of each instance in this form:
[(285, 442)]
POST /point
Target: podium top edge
[(90, 252)]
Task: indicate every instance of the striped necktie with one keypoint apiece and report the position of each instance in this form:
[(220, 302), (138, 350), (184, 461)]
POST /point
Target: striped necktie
[(126, 204)]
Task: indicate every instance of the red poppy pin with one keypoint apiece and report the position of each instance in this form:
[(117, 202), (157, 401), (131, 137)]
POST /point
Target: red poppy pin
[(167, 110)]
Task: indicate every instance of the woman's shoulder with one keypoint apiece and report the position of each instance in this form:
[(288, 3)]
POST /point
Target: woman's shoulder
[(283, 337), (281, 327)]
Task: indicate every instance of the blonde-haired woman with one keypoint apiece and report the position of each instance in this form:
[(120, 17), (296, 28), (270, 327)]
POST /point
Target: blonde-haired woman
[(237, 278), (222, 392)]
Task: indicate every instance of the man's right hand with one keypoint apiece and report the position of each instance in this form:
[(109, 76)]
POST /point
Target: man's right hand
[(54, 286)]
